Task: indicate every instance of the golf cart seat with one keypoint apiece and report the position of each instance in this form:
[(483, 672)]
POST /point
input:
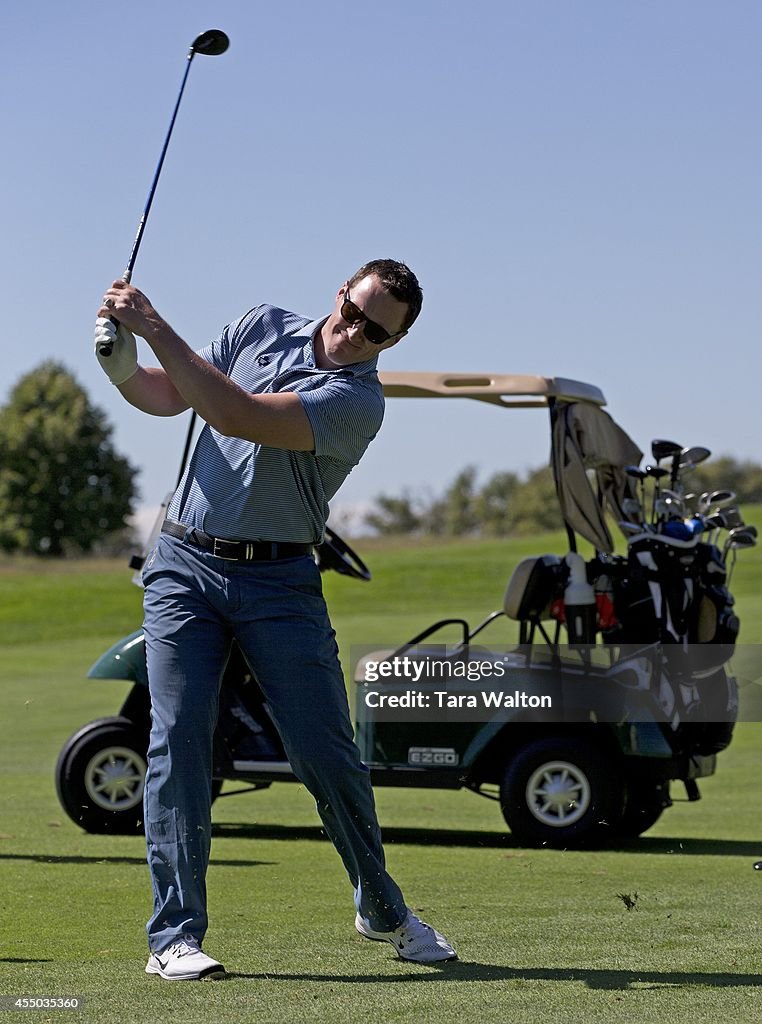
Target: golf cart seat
[(534, 584)]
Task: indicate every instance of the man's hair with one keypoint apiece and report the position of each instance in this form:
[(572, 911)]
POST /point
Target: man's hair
[(399, 280)]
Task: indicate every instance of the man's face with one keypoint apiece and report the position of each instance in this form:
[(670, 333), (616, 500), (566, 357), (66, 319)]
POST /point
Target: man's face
[(344, 343)]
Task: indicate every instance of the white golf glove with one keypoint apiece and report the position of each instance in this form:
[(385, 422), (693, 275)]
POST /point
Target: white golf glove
[(123, 361)]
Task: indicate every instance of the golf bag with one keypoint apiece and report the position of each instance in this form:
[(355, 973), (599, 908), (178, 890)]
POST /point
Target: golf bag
[(673, 591)]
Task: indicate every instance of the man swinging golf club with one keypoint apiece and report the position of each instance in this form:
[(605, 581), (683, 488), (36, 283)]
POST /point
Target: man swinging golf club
[(290, 405)]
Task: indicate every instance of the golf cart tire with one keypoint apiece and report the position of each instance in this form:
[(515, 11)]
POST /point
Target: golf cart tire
[(646, 802), (107, 745), (562, 792), (113, 747)]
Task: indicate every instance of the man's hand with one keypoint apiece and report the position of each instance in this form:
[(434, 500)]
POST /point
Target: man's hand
[(123, 361), (132, 309)]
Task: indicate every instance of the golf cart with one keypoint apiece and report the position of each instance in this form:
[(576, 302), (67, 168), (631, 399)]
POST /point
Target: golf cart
[(617, 687)]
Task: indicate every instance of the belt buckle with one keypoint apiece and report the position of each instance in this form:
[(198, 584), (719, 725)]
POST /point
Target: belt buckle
[(217, 542)]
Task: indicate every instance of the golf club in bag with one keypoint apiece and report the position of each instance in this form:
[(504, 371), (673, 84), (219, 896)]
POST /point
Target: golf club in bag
[(211, 44)]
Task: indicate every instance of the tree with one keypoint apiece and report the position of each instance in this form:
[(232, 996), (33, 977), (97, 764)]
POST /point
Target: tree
[(394, 516), (63, 487), (454, 514), (494, 504), (535, 506)]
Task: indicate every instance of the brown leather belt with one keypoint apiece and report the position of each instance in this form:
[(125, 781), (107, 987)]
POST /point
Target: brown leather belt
[(236, 550)]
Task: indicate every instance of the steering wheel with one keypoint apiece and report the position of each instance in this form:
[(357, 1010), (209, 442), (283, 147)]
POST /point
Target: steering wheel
[(334, 553)]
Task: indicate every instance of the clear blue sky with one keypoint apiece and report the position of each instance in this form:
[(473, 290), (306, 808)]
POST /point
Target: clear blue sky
[(576, 183)]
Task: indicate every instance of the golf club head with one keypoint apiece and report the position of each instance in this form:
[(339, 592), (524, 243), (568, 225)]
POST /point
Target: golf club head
[(703, 504), (743, 540), (674, 507), (715, 521), (743, 533), (716, 499), (211, 43), (687, 458), (636, 472), (657, 472), (661, 449), (692, 456), (630, 527), (732, 518)]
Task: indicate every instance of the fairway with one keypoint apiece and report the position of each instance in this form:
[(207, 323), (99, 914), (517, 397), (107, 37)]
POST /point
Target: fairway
[(663, 929)]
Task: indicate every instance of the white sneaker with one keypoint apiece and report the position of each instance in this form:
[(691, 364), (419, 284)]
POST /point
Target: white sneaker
[(184, 961), (413, 940)]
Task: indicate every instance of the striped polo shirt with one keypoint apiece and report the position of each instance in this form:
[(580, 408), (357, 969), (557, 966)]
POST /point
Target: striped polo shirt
[(239, 489)]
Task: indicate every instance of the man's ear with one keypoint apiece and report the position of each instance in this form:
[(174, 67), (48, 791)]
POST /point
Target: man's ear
[(342, 292)]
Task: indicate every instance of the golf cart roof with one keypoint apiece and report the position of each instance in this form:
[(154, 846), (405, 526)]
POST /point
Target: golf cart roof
[(521, 391), (589, 451)]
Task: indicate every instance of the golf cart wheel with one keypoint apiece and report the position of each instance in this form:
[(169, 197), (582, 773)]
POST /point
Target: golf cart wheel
[(100, 776), (561, 792), (646, 802)]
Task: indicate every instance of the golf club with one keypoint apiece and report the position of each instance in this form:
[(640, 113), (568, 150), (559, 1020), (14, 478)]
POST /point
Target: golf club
[(691, 457), (732, 545), (687, 458), (632, 527), (636, 473), (732, 517), (657, 473), (713, 523), (661, 449), (632, 507), (715, 500), (740, 537), (211, 44)]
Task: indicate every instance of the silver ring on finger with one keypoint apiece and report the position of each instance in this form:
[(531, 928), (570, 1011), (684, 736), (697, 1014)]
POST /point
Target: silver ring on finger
[(108, 303)]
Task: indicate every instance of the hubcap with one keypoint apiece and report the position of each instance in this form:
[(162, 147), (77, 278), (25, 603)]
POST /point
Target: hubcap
[(558, 793), (114, 779)]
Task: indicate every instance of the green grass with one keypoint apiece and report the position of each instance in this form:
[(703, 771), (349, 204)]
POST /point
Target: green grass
[(544, 936)]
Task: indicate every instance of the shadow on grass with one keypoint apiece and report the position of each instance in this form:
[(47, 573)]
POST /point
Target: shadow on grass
[(690, 847), (592, 979), (495, 840), (471, 839), (21, 960), (45, 858), (416, 836)]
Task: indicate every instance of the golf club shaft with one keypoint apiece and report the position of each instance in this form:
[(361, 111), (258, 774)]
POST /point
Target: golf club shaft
[(107, 348)]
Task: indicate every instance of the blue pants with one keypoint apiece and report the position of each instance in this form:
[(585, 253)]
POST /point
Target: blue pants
[(195, 605)]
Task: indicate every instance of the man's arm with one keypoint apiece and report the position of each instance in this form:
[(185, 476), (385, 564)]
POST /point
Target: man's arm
[(188, 381), (151, 391)]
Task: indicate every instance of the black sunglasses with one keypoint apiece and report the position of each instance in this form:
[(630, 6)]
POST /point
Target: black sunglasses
[(374, 332)]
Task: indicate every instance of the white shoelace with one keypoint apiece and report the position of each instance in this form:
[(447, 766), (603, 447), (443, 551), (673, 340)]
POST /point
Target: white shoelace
[(183, 947)]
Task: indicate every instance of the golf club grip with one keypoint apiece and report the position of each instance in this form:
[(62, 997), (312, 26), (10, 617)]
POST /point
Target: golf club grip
[(107, 348)]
